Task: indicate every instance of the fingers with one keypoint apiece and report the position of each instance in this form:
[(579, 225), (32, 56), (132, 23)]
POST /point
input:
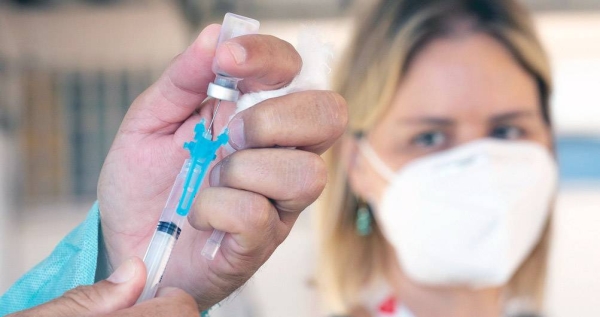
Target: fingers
[(310, 120), (251, 218), (263, 62), (252, 57), (292, 179), (119, 291), (257, 195), (169, 301)]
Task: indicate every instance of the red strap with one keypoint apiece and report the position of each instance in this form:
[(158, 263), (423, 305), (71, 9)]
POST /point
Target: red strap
[(388, 307)]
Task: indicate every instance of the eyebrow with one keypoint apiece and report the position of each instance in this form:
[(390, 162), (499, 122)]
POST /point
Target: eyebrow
[(428, 121), (442, 121), (511, 116)]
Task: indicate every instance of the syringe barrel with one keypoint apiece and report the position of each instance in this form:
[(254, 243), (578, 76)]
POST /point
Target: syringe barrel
[(157, 257), (164, 238)]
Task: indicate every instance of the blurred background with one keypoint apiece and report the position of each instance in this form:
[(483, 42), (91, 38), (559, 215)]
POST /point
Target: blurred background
[(70, 68)]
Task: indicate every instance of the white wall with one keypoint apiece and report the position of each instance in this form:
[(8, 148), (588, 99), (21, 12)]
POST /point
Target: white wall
[(573, 44), (574, 268)]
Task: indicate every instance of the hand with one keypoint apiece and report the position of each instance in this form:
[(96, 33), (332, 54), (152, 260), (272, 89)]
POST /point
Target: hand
[(114, 298), (256, 194)]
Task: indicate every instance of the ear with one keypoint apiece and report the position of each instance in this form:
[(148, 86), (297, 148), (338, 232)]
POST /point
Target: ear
[(354, 166)]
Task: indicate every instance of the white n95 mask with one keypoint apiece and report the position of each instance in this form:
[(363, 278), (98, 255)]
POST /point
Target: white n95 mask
[(468, 216)]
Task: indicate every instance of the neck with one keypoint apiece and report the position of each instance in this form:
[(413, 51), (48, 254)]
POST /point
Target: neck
[(427, 301)]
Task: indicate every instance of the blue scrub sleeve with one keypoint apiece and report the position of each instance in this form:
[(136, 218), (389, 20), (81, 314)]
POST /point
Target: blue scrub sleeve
[(72, 263)]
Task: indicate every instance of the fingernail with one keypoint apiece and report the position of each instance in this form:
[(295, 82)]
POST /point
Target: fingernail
[(236, 133), (123, 273), (237, 51), (228, 148), (215, 175)]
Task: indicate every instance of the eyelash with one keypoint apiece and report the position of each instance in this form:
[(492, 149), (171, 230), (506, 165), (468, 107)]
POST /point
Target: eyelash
[(496, 131), (430, 139), (436, 139)]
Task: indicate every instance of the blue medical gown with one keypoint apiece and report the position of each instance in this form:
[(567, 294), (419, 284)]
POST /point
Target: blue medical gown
[(72, 263)]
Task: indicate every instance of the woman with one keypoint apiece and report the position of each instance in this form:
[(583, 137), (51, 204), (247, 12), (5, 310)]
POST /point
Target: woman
[(439, 194)]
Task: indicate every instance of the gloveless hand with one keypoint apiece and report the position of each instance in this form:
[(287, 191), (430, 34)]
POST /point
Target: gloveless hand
[(255, 194), (115, 297)]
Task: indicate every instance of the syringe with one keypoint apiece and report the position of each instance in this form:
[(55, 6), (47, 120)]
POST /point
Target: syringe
[(202, 152)]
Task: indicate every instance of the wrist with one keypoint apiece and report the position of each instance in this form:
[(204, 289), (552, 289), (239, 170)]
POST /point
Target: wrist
[(103, 266)]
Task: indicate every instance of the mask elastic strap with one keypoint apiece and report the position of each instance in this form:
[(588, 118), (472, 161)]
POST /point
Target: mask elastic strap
[(378, 164)]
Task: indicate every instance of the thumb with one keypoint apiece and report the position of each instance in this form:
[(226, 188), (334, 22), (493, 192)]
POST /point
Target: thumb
[(120, 290)]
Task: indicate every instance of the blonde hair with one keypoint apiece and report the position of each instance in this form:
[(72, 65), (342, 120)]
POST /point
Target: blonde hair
[(368, 78)]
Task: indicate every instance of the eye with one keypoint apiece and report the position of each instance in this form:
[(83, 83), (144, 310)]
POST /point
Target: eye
[(507, 132), (430, 139)]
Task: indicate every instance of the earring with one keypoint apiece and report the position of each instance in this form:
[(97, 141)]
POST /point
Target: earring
[(364, 218)]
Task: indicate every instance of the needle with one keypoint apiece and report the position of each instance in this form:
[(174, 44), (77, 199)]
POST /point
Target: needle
[(214, 115)]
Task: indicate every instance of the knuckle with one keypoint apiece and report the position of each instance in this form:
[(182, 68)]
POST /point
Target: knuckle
[(228, 167), (266, 119), (294, 59), (257, 212), (277, 46), (282, 234), (316, 174), (288, 60), (81, 297), (336, 113), (309, 178)]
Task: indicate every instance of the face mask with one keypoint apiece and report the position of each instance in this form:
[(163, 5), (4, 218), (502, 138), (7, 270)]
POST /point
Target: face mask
[(468, 216)]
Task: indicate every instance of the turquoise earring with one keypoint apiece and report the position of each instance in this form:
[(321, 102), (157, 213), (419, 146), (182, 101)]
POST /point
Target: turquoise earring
[(364, 218)]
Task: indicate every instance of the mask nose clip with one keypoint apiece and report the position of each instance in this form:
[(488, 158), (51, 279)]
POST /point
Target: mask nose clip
[(460, 164), (472, 160), (466, 161)]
